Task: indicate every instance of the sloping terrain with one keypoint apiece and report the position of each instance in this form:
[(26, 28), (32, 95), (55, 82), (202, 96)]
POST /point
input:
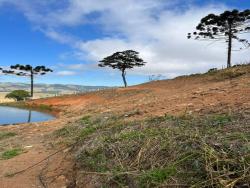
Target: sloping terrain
[(192, 130), (216, 91)]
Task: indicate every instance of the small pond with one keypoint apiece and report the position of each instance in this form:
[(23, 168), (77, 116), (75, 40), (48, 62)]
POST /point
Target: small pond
[(11, 115)]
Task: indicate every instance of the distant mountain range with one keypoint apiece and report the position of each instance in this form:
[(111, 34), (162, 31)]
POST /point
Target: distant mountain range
[(49, 88)]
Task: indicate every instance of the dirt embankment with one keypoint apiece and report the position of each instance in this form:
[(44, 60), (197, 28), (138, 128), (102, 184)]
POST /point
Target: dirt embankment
[(200, 94), (193, 94)]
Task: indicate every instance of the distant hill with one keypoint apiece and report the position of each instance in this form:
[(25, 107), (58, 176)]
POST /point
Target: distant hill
[(49, 88)]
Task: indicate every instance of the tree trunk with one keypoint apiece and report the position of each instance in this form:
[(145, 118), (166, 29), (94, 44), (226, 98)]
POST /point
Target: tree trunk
[(229, 52), (124, 78), (31, 84)]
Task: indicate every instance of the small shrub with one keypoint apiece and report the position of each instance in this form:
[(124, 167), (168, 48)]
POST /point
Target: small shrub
[(18, 95), (212, 70)]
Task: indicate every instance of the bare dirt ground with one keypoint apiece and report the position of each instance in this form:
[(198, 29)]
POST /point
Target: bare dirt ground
[(182, 95)]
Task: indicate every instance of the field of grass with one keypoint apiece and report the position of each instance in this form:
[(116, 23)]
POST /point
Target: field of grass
[(183, 151)]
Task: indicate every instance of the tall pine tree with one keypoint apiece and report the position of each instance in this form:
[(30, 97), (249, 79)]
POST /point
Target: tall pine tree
[(228, 26)]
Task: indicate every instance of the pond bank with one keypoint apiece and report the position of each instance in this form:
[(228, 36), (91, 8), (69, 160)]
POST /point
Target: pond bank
[(31, 106), (13, 116)]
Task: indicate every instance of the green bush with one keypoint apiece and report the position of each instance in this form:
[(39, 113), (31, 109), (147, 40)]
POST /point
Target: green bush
[(18, 95), (213, 70)]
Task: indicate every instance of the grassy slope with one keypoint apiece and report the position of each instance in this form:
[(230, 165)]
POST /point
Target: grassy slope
[(159, 134), (207, 151), (199, 150)]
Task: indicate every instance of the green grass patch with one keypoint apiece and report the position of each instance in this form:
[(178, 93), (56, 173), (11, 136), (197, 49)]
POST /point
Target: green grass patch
[(5, 135), (76, 131), (200, 151), (131, 135), (85, 120), (93, 160), (219, 120), (86, 132), (157, 176), (67, 131), (11, 153)]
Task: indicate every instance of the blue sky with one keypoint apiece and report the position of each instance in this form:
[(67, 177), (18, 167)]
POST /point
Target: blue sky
[(70, 37)]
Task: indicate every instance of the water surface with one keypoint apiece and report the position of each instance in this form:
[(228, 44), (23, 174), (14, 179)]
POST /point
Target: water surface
[(11, 115)]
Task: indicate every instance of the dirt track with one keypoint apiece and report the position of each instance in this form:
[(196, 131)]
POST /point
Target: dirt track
[(183, 95)]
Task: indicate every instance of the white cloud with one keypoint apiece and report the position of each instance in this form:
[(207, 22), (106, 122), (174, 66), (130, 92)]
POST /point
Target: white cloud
[(60, 37), (66, 73), (155, 28)]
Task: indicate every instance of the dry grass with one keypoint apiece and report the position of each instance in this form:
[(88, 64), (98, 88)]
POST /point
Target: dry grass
[(3, 99), (185, 151)]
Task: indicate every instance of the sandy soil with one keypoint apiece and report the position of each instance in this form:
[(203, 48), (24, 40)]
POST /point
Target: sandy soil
[(183, 95)]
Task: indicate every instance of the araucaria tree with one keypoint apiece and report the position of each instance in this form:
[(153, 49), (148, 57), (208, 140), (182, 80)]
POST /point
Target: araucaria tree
[(227, 27), (27, 70), (123, 60)]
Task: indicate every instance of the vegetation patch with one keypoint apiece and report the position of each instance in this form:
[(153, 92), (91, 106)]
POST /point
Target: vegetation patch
[(76, 132), (5, 135), (216, 120), (85, 120), (156, 176), (229, 73), (11, 153), (215, 74), (18, 95), (198, 151)]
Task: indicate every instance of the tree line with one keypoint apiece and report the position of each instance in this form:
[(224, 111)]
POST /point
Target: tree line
[(227, 27)]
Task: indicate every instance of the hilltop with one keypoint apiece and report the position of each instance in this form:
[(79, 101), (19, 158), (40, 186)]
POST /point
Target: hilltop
[(189, 131)]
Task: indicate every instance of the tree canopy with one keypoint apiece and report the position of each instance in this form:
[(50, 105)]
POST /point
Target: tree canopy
[(18, 95), (123, 60), (228, 26), (26, 70)]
